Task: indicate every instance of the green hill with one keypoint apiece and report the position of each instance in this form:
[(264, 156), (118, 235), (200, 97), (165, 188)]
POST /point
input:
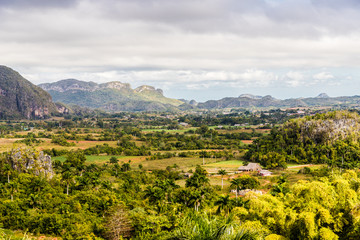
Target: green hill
[(19, 98), (332, 138)]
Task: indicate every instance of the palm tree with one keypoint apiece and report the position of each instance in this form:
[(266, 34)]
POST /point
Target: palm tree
[(113, 160), (13, 186), (34, 200), (222, 172), (125, 167), (67, 178), (206, 227), (196, 198), (7, 170), (224, 203), (236, 183)]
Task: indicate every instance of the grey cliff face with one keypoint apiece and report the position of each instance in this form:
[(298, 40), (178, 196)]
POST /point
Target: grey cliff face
[(25, 160)]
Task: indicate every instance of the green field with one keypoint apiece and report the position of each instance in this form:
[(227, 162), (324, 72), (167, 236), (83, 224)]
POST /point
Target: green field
[(101, 159), (183, 163)]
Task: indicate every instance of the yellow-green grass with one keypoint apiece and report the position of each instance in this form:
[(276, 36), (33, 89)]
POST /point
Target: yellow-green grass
[(101, 159), (296, 168), (231, 165), (213, 182), (6, 144), (183, 163), (78, 144)]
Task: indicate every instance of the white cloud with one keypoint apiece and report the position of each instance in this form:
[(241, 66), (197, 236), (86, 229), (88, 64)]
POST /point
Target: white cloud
[(294, 79), (323, 76), (238, 44)]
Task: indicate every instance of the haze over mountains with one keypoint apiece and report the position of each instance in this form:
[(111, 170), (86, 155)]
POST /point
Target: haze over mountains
[(19, 98)]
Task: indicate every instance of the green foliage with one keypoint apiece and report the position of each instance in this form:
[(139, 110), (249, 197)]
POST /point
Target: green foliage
[(115, 200), (245, 182), (330, 138), (113, 160), (60, 140), (203, 226), (198, 179)]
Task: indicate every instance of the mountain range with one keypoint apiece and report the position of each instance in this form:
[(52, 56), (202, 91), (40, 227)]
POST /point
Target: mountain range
[(117, 96), (111, 96), (251, 101), (19, 98)]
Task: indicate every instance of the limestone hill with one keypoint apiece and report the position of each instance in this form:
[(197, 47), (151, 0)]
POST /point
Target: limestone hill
[(19, 98), (111, 96)]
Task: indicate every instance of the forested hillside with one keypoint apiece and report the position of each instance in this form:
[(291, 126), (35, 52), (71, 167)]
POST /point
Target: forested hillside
[(19, 98), (331, 138)]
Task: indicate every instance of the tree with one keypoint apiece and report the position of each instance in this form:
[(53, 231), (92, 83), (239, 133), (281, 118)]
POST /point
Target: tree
[(248, 182), (244, 182), (113, 160), (118, 224), (8, 170), (75, 159), (198, 179), (156, 195), (13, 188), (222, 172), (67, 178), (236, 183), (224, 203), (125, 167)]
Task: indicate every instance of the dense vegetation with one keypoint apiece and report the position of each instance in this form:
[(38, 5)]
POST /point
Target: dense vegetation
[(125, 196), (331, 138)]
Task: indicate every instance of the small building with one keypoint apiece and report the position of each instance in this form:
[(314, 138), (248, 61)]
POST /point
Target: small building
[(187, 175), (250, 167), (245, 191), (265, 173), (184, 124)]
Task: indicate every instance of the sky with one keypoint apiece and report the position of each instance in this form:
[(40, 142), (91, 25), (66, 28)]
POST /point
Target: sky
[(192, 49)]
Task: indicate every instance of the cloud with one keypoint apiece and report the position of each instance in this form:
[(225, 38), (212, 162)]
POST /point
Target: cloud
[(323, 76), (294, 79), (205, 43), (36, 3)]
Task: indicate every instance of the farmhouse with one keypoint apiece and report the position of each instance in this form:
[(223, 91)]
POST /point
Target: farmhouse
[(250, 167)]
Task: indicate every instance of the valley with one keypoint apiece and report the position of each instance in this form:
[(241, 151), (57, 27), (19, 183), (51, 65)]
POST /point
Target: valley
[(151, 167)]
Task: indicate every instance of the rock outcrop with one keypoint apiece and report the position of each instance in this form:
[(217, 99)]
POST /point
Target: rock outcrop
[(27, 160)]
